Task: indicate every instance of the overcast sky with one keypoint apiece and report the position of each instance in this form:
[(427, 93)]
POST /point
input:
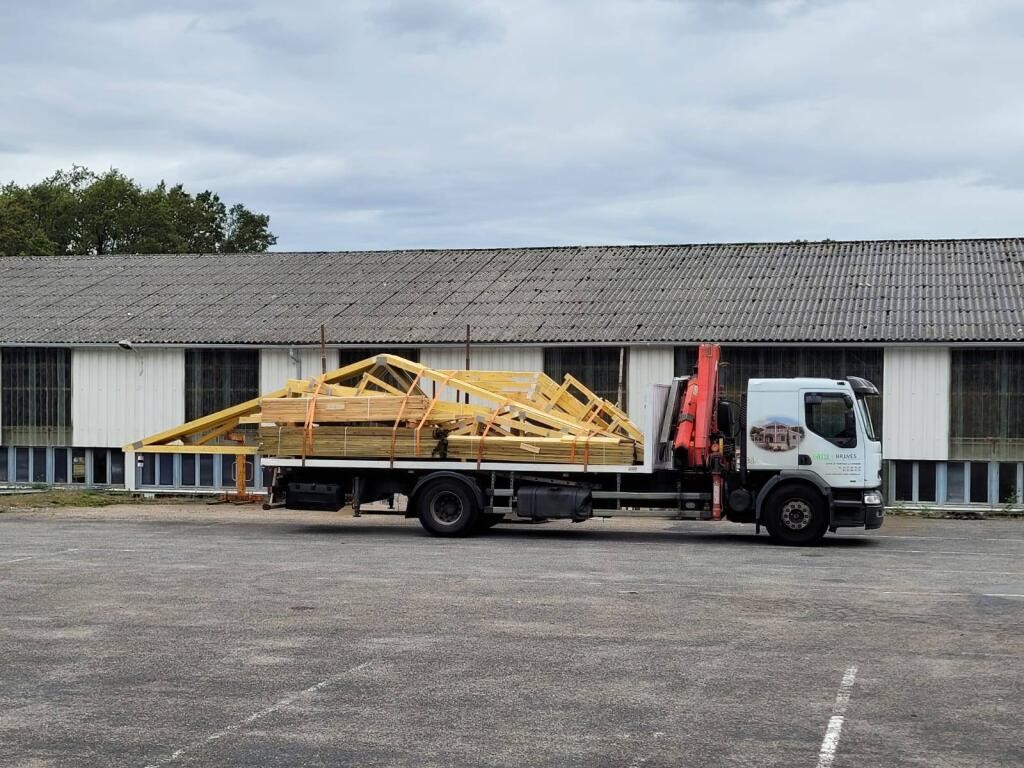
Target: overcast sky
[(437, 123)]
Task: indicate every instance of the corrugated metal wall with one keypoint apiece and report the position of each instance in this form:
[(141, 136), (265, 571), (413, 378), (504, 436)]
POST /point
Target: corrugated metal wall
[(122, 395), (647, 366), (482, 359), (276, 367), (916, 403)]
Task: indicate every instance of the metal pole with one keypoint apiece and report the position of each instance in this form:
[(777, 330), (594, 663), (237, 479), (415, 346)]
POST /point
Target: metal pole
[(323, 350), (467, 358), (622, 364)]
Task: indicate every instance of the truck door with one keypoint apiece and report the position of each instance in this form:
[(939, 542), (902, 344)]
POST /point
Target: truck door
[(773, 429), (831, 447)]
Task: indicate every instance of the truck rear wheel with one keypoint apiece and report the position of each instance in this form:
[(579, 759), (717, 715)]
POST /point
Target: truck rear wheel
[(447, 507), (796, 515)]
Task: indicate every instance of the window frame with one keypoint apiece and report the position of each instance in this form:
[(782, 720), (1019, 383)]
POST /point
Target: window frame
[(850, 412)]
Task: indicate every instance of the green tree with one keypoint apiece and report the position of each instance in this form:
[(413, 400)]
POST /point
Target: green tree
[(82, 212), (247, 232)]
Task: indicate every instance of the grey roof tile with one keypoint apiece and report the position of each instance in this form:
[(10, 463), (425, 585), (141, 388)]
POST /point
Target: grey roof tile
[(865, 291)]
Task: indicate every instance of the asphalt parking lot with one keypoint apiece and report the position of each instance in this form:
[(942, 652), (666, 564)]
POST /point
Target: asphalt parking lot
[(225, 637)]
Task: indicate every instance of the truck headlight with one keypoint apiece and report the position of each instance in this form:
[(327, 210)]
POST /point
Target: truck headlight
[(873, 499)]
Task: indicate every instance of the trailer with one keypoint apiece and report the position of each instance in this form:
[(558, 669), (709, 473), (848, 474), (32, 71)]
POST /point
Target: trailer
[(798, 456)]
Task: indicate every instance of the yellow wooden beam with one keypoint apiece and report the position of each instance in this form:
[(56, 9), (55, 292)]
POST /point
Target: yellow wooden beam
[(468, 387), (203, 423), (220, 431), (227, 450)]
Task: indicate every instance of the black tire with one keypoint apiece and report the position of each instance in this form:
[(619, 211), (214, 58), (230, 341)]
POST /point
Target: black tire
[(447, 507), (796, 515)]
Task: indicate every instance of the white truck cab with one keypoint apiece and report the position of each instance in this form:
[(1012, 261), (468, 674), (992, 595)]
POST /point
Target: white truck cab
[(818, 430)]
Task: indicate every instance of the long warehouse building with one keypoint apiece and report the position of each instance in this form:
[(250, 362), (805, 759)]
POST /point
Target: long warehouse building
[(98, 351)]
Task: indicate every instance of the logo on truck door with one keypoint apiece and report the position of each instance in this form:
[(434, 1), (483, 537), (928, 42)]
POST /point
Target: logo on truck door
[(777, 433)]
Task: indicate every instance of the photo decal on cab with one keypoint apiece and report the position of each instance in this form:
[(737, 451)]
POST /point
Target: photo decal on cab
[(777, 433)]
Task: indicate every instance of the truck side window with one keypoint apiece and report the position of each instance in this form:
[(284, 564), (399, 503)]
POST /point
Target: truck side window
[(831, 416)]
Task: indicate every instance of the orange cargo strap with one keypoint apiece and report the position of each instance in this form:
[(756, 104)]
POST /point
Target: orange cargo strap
[(401, 412), (490, 423), (307, 430), (586, 449), (433, 402)]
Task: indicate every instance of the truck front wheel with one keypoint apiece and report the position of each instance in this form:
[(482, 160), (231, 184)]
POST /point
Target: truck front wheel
[(796, 515), (447, 507)]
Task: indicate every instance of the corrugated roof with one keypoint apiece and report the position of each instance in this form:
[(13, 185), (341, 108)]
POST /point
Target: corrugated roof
[(864, 291)]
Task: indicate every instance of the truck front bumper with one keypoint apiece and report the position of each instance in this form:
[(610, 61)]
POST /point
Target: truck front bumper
[(868, 511)]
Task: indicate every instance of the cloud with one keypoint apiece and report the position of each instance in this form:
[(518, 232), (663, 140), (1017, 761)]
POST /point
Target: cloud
[(447, 123)]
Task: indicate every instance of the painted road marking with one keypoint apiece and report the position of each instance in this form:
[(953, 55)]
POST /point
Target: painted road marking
[(943, 552), (36, 557), (290, 699), (830, 743), (930, 538)]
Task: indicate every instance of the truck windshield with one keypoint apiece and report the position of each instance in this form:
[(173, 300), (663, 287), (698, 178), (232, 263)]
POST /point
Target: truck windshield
[(865, 418)]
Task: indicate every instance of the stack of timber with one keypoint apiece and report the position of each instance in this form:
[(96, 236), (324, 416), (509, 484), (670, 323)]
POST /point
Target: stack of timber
[(387, 407)]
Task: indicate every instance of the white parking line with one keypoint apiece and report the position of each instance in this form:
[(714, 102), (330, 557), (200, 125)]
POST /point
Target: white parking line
[(254, 717), (830, 743), (944, 552), (930, 538), (36, 557)]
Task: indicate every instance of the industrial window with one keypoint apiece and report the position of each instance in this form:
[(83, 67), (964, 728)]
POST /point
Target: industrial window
[(219, 378), (35, 396), (229, 471), (100, 474), (986, 419), (1009, 493), (188, 469), (148, 475), (904, 490), (38, 465), (742, 363), (116, 467), (79, 473), (831, 416), (21, 462), (955, 482), (165, 469), (600, 369), (60, 466), (206, 470), (979, 482), (926, 481)]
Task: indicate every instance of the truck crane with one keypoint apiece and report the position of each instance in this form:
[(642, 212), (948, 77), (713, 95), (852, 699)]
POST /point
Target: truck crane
[(799, 456)]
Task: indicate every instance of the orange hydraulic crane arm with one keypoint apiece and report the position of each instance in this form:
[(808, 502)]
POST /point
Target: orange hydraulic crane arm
[(698, 413), (698, 420)]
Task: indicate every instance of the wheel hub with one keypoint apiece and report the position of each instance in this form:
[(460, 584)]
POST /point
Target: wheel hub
[(446, 508), (796, 514)]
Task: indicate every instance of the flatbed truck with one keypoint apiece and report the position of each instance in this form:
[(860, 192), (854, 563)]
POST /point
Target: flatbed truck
[(798, 456)]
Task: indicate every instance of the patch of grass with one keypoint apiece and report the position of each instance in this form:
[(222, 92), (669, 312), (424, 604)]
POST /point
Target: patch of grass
[(62, 498)]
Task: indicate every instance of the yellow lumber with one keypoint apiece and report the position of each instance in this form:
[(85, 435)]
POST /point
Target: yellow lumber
[(484, 394), (328, 410), (203, 423), (229, 450), (516, 416)]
